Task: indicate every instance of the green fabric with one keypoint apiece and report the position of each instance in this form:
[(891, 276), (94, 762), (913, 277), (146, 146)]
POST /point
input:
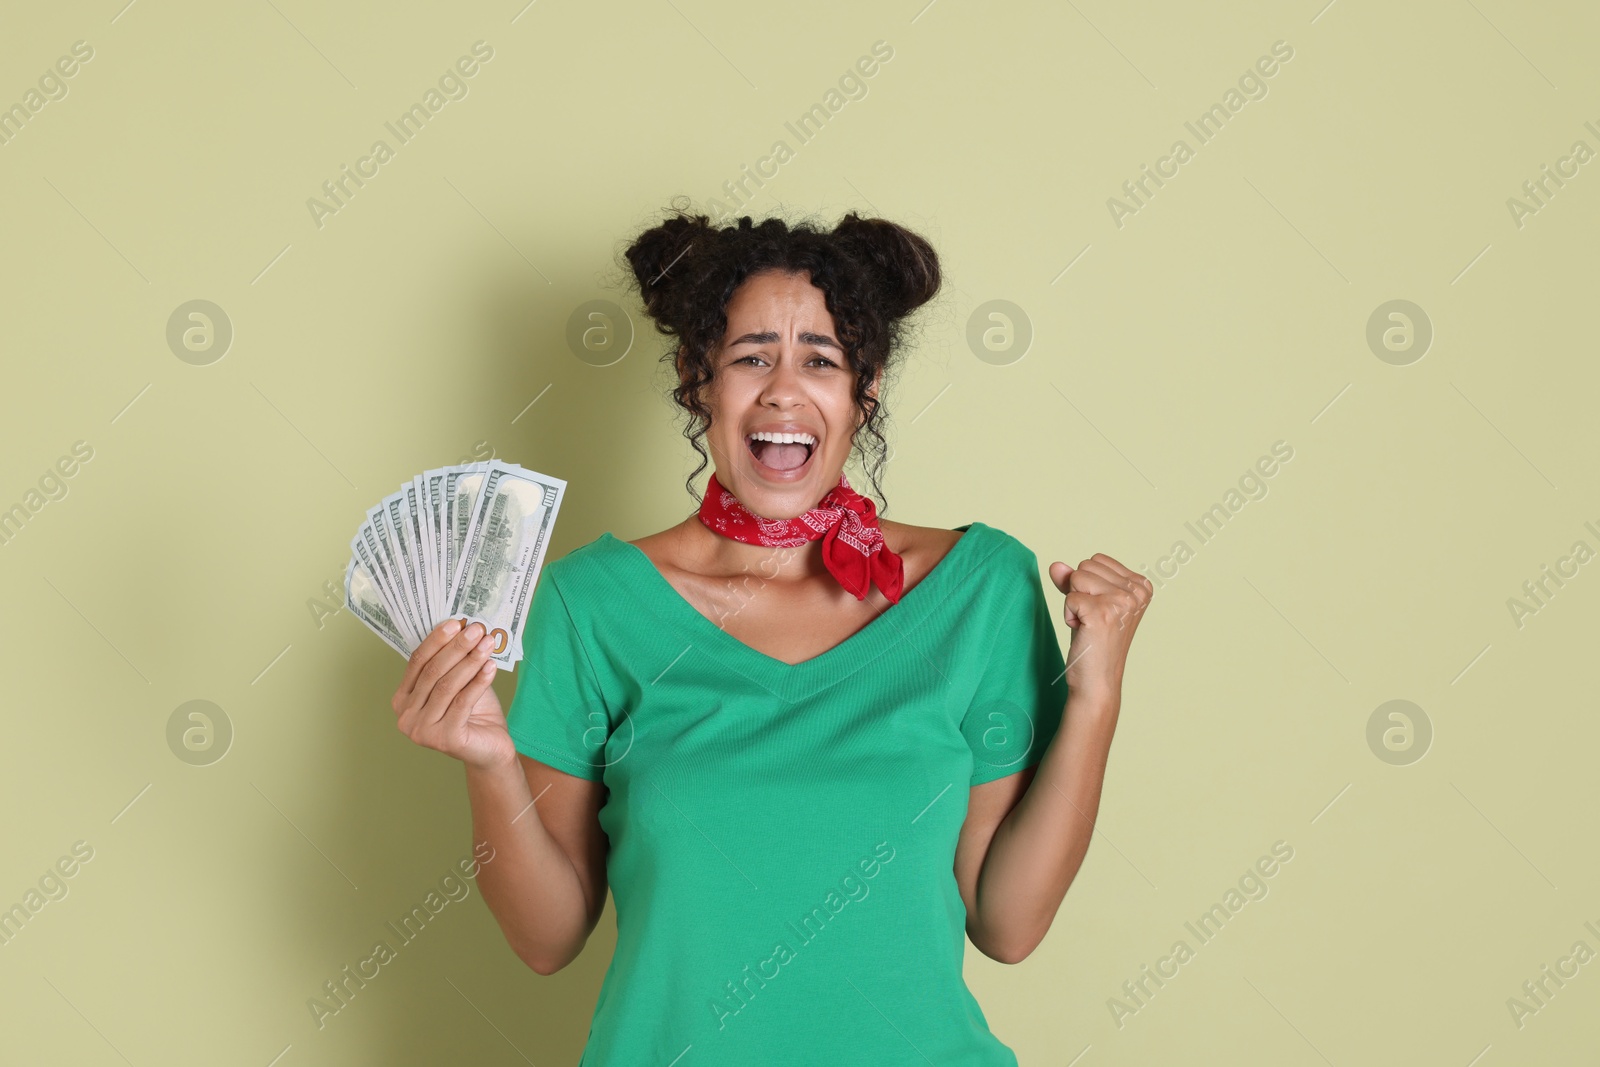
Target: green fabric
[(783, 836)]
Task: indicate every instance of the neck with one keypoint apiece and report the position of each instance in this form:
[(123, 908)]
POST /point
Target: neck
[(716, 554)]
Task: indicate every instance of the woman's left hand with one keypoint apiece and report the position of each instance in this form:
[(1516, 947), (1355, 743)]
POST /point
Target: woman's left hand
[(1104, 604)]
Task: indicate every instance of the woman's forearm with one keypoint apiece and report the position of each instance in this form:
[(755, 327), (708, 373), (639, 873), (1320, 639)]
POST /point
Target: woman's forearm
[(1037, 849), (530, 886)]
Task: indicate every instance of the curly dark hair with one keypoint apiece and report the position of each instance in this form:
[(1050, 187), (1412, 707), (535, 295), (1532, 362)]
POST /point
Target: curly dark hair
[(872, 272)]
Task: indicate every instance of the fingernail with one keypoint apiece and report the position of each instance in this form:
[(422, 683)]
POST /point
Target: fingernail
[(450, 627), (483, 646)]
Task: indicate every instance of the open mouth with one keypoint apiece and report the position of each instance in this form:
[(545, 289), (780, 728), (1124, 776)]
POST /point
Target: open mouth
[(786, 458)]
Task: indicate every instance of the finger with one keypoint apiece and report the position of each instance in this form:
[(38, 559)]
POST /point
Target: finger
[(1110, 590), (1132, 581), (1091, 578), (1102, 558), (1078, 604), (1105, 564), (1059, 577), (1061, 574), (444, 660), (451, 684), (461, 707), (1135, 585), (424, 652), (1105, 610)]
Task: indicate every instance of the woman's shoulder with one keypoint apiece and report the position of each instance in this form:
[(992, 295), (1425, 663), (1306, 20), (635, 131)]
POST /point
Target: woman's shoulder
[(938, 540), (594, 557), (903, 538), (1002, 559)]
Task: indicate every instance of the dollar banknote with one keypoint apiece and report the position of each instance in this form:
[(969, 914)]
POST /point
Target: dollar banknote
[(502, 553), (366, 601), (464, 542)]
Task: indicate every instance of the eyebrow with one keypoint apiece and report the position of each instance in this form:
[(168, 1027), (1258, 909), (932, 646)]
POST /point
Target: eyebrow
[(806, 337)]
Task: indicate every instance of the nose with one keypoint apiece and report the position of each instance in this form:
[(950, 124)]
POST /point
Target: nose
[(781, 387)]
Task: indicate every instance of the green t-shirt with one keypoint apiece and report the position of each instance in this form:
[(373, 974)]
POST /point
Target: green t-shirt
[(783, 837)]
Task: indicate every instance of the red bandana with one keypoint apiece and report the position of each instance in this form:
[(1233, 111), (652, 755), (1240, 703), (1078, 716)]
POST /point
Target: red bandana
[(853, 548)]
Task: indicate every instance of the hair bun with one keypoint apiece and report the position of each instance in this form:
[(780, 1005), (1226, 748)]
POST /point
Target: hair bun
[(661, 255), (903, 267)]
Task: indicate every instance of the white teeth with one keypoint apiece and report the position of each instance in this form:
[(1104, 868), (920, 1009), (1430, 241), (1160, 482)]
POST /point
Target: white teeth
[(784, 438)]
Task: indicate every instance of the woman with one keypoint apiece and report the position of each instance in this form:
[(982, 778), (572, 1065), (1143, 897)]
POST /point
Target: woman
[(804, 791)]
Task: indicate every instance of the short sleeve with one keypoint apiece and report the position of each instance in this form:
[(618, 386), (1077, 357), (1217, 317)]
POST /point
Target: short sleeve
[(558, 714), (1022, 689)]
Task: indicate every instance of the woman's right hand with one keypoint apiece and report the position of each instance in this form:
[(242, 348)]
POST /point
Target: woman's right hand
[(445, 700)]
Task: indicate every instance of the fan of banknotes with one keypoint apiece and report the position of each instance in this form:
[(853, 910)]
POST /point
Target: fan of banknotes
[(461, 543)]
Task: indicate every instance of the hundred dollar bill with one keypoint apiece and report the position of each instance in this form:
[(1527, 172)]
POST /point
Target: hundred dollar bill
[(399, 574), (411, 507), (503, 552), (433, 515), (364, 598), (411, 514), (407, 567), (447, 530), (362, 556), (463, 493)]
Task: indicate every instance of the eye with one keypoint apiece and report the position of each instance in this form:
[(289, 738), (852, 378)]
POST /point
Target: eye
[(814, 359)]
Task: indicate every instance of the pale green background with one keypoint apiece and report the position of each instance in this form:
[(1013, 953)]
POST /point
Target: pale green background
[(1230, 313)]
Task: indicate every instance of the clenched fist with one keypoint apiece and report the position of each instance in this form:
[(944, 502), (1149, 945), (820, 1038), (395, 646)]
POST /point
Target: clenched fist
[(1104, 604)]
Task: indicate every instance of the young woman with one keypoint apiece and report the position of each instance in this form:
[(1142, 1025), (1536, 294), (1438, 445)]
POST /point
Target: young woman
[(807, 750)]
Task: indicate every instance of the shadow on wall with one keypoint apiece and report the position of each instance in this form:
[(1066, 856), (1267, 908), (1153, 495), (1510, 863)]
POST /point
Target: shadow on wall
[(448, 988)]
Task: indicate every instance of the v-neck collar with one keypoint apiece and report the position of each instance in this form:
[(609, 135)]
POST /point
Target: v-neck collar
[(796, 681)]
